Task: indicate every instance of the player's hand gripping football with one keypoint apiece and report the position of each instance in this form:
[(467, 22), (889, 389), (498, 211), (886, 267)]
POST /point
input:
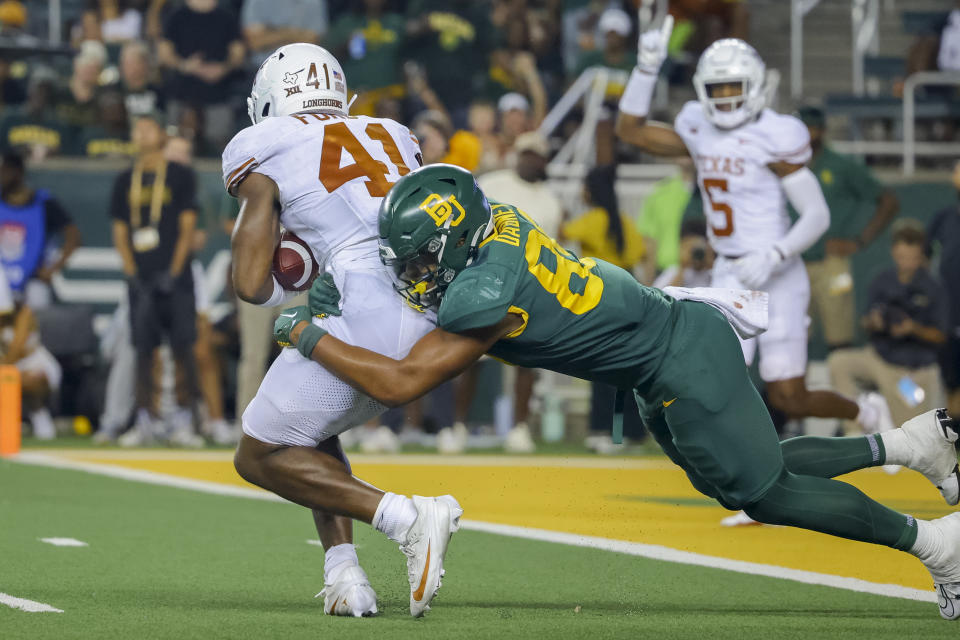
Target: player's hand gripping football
[(324, 297), (755, 268), (652, 47)]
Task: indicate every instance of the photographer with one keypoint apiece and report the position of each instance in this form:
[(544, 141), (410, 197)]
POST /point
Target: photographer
[(696, 259), (154, 214), (907, 322)]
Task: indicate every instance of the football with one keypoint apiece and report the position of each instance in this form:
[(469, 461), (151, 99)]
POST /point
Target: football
[(293, 263)]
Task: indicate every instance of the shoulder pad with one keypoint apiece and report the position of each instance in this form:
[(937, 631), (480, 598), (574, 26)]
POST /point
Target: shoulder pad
[(478, 297), (784, 138), (689, 118)]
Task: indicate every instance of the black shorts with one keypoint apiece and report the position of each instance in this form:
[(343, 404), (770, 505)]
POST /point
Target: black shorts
[(155, 316)]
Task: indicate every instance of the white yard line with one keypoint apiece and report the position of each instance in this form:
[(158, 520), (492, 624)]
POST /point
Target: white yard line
[(420, 460), (654, 552), (64, 542), (29, 606)]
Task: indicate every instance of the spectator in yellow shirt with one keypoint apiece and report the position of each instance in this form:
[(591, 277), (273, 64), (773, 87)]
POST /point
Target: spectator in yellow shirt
[(603, 232)]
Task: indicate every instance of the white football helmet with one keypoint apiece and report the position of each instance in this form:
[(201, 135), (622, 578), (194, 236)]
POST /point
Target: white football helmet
[(298, 77), (729, 61)]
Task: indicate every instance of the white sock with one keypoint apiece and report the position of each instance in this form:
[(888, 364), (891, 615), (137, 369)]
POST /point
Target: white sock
[(929, 541), (394, 517), (338, 558), (43, 427), (868, 415), (897, 449)]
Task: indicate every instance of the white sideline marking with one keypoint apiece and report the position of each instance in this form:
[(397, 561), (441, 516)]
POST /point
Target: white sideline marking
[(29, 606), (65, 542), (651, 551)]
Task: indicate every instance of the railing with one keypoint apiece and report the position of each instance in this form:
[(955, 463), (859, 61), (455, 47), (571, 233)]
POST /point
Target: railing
[(865, 21), (920, 79), (798, 9)]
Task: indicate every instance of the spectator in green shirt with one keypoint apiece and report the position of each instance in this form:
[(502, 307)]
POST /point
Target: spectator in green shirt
[(849, 187), (662, 214), (368, 41)]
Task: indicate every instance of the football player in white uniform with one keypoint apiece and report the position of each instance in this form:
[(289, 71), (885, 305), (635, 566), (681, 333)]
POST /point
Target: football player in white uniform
[(308, 165), (750, 161)]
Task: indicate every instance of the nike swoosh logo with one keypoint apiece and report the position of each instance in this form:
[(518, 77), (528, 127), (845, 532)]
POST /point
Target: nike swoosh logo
[(418, 594), (333, 607), (667, 404)]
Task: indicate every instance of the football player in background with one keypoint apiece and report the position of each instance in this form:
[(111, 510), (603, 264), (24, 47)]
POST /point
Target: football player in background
[(750, 161), (500, 285), (328, 172)]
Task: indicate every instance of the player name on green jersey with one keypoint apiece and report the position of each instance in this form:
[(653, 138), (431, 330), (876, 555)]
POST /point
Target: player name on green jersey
[(582, 317)]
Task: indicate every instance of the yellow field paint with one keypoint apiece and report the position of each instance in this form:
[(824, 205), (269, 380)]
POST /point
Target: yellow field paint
[(649, 503)]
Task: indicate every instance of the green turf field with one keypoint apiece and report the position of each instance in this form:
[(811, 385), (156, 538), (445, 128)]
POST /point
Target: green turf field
[(174, 563)]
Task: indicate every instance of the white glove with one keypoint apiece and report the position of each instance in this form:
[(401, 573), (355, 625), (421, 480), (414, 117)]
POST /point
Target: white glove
[(652, 47), (755, 268)]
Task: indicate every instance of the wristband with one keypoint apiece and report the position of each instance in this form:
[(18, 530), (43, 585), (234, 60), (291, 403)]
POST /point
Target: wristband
[(279, 295), (638, 93), (309, 338)]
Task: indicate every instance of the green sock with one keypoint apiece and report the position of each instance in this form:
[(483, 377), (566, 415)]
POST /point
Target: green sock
[(835, 508), (831, 457)]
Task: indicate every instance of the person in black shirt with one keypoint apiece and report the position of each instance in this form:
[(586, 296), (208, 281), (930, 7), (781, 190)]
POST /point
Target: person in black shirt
[(140, 95), (944, 230), (29, 220), (153, 208), (907, 322), (201, 46)]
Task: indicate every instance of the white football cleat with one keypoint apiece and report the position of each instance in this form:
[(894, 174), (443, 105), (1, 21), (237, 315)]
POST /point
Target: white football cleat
[(944, 565), (739, 519), (380, 440), (931, 439), (349, 595), (426, 545), (519, 440), (452, 440)]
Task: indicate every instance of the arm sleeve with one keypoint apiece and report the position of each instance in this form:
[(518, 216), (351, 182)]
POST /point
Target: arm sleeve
[(804, 193), (56, 218)]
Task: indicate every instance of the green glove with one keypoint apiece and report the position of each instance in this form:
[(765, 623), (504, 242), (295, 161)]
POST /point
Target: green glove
[(310, 335), (285, 323), (324, 297)]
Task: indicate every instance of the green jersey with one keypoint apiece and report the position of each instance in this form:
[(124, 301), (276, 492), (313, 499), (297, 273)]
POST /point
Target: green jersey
[(581, 317)]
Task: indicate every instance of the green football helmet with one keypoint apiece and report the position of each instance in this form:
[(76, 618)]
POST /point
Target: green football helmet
[(431, 223)]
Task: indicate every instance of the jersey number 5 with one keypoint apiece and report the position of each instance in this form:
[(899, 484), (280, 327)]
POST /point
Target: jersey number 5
[(338, 137), (577, 288), (719, 207)]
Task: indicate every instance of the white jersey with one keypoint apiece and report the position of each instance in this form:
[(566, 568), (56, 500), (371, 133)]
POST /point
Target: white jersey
[(742, 198), (332, 172)]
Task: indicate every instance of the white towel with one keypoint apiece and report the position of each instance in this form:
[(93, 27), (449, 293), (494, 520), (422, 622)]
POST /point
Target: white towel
[(746, 311)]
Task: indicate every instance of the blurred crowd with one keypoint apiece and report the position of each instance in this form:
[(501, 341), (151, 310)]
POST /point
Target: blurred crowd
[(487, 69)]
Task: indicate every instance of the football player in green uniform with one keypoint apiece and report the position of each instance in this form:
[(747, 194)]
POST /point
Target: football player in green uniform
[(498, 285)]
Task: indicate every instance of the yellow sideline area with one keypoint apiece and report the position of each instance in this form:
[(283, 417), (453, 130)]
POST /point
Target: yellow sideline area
[(644, 500)]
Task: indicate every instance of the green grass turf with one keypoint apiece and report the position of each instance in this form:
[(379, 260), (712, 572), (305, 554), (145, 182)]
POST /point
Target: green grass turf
[(171, 563)]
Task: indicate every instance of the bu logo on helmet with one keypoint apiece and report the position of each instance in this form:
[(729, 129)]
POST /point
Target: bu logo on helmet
[(441, 209)]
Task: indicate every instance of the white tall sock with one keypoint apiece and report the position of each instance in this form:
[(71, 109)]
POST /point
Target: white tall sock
[(868, 415), (929, 541), (394, 517), (338, 558), (43, 427), (896, 446)]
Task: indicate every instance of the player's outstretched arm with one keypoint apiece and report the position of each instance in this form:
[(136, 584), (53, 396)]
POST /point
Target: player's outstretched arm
[(632, 124), (434, 359), (254, 239)]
